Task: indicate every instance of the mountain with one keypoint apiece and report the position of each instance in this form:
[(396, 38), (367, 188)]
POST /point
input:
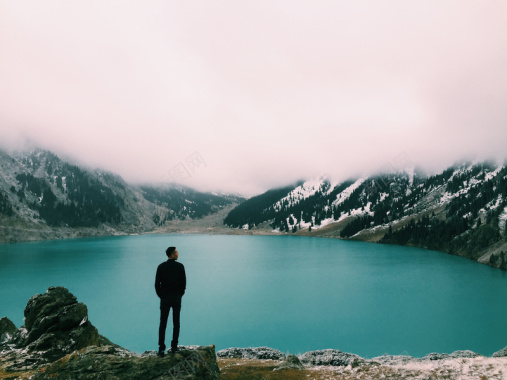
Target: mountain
[(461, 211), (43, 196)]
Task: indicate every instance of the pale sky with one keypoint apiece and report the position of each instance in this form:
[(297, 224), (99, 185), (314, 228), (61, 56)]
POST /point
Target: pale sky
[(242, 96)]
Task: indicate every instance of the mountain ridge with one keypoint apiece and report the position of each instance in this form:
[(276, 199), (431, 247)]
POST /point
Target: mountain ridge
[(43, 196), (461, 211)]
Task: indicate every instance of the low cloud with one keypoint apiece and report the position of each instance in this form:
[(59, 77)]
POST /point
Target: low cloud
[(265, 93)]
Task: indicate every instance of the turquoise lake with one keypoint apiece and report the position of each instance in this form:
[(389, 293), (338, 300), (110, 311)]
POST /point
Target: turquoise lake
[(294, 294)]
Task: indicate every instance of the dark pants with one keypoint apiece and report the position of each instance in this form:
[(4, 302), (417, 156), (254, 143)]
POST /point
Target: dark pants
[(166, 304)]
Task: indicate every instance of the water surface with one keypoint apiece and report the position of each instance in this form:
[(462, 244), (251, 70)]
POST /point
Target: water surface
[(294, 294)]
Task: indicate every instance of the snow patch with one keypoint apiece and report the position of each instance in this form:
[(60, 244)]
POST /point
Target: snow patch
[(492, 174), (410, 172), (383, 196), (325, 222), (502, 220), (345, 194), (333, 185), (288, 220), (301, 192)]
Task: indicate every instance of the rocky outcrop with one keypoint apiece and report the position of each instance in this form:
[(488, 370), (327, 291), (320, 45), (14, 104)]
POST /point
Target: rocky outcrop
[(501, 353), (454, 355), (110, 362), (434, 356), (7, 329), (331, 357), (338, 358), (55, 325), (59, 342), (251, 353), (290, 362)]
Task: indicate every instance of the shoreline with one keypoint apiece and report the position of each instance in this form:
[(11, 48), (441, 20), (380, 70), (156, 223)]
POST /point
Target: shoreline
[(212, 225), (329, 355), (462, 369)]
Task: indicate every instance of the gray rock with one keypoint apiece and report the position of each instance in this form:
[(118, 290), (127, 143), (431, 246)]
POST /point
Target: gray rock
[(111, 362), (500, 354), (7, 330), (331, 357), (392, 359), (454, 355), (290, 362), (251, 353), (55, 325)]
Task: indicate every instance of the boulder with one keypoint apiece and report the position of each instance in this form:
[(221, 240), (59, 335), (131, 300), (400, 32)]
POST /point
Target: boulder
[(7, 330), (251, 353), (501, 353), (454, 355), (332, 358), (55, 325), (290, 362)]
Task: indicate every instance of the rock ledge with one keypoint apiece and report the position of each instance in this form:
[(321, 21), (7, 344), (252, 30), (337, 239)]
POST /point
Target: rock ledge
[(59, 342)]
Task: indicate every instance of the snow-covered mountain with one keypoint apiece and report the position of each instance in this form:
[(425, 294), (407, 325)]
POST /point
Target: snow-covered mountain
[(462, 210), (43, 196)]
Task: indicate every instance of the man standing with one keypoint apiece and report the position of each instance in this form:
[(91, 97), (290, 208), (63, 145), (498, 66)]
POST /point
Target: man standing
[(170, 285)]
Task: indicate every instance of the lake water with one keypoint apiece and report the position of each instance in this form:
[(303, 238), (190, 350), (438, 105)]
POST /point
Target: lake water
[(294, 294)]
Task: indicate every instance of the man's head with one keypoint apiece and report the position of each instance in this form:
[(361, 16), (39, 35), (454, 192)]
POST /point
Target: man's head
[(172, 253)]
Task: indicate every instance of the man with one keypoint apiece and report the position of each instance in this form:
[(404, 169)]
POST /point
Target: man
[(170, 285)]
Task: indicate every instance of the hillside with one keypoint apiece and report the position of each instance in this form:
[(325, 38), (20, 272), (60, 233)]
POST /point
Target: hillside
[(44, 197), (462, 211)]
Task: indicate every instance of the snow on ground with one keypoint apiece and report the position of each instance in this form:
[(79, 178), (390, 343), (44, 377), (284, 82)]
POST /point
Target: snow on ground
[(492, 174), (325, 222), (301, 192), (355, 212), (494, 204), (447, 197), (457, 369), (345, 194), (502, 219)]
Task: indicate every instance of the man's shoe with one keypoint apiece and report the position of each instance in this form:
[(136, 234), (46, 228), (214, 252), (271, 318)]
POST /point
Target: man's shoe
[(174, 349), (160, 354)]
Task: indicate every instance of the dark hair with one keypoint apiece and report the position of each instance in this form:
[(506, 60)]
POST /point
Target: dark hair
[(169, 251)]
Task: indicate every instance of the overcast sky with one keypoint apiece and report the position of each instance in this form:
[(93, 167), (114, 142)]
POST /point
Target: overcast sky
[(241, 96)]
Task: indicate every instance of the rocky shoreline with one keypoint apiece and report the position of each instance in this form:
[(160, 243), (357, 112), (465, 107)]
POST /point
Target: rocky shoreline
[(459, 364), (59, 342)]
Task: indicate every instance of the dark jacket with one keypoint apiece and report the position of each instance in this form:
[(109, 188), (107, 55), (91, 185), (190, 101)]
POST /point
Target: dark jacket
[(170, 279)]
